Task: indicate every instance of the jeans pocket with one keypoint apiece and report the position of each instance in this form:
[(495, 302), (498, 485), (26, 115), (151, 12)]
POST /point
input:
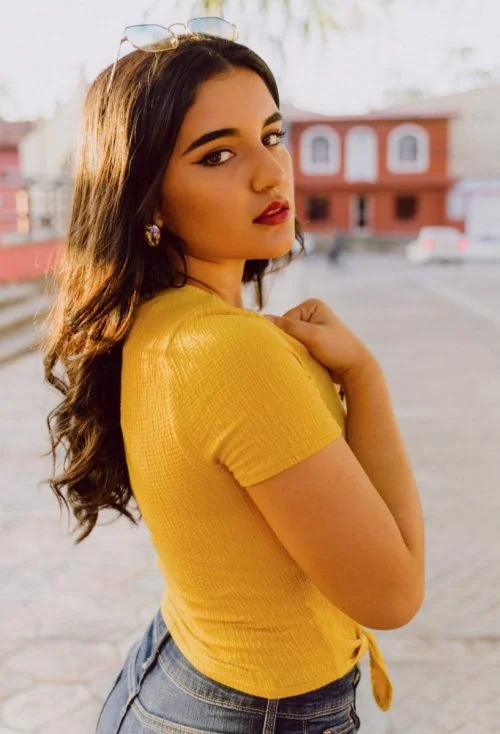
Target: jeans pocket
[(337, 722)]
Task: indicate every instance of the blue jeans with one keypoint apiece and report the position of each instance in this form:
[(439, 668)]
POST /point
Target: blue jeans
[(158, 690)]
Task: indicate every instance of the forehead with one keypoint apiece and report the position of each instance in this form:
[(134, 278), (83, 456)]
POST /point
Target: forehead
[(234, 98)]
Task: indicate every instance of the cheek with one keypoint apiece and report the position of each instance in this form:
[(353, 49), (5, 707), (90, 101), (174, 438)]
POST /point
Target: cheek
[(189, 204)]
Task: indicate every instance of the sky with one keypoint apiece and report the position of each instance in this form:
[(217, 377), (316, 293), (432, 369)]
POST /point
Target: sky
[(47, 45)]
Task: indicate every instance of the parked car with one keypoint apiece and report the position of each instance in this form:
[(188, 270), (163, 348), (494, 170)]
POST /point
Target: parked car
[(443, 244)]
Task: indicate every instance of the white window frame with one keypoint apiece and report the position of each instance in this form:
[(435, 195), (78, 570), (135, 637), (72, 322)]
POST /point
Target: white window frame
[(374, 174), (394, 163), (310, 167)]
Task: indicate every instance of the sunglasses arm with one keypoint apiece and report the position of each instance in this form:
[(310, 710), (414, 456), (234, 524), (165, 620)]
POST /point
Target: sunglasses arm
[(114, 65)]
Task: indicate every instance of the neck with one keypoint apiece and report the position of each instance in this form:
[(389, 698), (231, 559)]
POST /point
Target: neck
[(210, 289)]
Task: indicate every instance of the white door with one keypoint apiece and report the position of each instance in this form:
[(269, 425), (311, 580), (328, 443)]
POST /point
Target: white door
[(361, 155)]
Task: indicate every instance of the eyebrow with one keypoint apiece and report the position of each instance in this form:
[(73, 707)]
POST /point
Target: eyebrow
[(226, 132)]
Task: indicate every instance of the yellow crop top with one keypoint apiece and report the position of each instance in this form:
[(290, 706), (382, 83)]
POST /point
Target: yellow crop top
[(215, 398)]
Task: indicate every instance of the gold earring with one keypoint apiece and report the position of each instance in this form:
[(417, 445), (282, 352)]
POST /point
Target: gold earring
[(152, 235)]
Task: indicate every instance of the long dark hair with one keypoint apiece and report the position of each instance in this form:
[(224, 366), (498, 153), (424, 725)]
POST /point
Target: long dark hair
[(107, 269)]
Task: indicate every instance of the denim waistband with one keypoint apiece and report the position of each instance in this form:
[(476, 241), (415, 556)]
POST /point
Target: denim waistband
[(328, 699)]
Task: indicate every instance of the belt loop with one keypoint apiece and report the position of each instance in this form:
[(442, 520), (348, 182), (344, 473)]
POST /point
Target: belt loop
[(271, 716), (156, 628), (131, 678), (158, 640)]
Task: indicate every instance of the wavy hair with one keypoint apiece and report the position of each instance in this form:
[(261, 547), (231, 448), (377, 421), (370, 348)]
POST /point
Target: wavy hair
[(107, 270)]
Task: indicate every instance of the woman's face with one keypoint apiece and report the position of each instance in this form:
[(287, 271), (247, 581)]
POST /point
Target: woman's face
[(214, 189)]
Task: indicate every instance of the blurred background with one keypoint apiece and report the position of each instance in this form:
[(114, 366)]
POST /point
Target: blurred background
[(393, 110)]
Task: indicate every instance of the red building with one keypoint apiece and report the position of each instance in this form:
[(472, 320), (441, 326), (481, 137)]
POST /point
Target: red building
[(13, 198), (379, 174)]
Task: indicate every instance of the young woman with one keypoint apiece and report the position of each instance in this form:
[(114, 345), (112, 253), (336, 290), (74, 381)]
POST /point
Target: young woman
[(281, 524)]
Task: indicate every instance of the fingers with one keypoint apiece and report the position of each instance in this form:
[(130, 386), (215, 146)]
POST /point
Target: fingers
[(304, 311), (305, 332), (309, 311), (280, 321)]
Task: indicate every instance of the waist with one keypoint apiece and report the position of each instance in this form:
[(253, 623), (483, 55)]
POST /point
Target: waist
[(278, 661)]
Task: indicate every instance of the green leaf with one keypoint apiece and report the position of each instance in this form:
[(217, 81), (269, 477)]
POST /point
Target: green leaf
[(322, 16)]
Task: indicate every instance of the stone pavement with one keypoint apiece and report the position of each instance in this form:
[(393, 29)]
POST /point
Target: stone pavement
[(69, 613)]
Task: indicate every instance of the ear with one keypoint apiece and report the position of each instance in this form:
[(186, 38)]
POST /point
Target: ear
[(158, 217)]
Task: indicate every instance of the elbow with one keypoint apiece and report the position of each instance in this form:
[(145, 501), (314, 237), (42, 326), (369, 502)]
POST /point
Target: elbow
[(399, 617), (402, 609)]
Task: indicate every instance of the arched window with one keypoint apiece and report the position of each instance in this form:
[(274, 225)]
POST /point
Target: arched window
[(408, 149), (361, 154), (320, 150)]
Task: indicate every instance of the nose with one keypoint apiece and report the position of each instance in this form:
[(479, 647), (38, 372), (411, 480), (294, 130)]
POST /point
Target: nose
[(268, 172)]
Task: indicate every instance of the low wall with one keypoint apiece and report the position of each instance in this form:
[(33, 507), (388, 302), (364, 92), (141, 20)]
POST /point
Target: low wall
[(28, 262)]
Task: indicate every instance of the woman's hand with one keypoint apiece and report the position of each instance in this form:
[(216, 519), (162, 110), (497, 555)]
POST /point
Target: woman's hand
[(328, 339)]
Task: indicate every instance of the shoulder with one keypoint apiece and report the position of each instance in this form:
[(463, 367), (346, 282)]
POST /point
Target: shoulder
[(218, 328), (219, 345), (189, 318)]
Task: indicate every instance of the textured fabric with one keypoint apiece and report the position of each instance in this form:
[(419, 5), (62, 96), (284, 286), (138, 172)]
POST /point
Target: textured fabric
[(216, 398)]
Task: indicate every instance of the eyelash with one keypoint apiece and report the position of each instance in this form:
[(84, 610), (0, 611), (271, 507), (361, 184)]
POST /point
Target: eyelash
[(204, 161)]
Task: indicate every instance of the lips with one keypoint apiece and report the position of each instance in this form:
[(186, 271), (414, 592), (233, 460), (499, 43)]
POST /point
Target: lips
[(275, 207)]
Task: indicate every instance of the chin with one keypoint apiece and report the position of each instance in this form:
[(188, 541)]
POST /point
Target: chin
[(269, 253), (282, 248), (271, 244)]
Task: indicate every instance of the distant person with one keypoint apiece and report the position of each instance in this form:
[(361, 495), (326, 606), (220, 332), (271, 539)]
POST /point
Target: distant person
[(309, 243), (280, 543), (337, 248)]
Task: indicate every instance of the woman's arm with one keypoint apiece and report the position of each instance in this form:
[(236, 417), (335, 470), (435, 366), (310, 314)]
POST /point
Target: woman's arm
[(374, 437), (369, 479)]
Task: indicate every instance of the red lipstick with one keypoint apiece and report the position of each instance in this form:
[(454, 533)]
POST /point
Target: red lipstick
[(276, 212)]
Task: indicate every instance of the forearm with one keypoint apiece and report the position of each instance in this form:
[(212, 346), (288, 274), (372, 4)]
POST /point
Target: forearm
[(374, 437)]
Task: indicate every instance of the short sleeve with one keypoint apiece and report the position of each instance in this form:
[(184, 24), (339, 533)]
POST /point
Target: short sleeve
[(251, 403)]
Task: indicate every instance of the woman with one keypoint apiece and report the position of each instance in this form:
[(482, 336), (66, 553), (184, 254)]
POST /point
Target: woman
[(277, 537)]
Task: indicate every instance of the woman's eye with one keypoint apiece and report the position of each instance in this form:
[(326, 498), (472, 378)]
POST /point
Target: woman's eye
[(276, 134), (215, 158)]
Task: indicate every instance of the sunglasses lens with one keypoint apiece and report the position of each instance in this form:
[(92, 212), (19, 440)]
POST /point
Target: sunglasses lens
[(213, 27), (149, 37)]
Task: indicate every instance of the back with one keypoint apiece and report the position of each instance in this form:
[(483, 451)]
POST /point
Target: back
[(216, 399)]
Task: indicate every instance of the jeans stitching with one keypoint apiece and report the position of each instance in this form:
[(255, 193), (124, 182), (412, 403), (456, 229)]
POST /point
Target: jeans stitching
[(158, 725), (316, 714), (271, 715), (221, 703)]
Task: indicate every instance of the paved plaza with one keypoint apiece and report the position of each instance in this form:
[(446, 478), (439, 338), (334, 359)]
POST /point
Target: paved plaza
[(70, 613)]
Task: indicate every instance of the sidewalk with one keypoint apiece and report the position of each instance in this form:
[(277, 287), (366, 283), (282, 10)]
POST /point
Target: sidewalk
[(70, 613)]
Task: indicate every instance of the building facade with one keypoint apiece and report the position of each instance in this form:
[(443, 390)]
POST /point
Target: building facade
[(375, 174), (48, 155), (474, 156), (13, 199)]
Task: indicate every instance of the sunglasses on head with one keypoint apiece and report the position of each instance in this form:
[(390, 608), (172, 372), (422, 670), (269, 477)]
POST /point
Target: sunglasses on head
[(156, 38)]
